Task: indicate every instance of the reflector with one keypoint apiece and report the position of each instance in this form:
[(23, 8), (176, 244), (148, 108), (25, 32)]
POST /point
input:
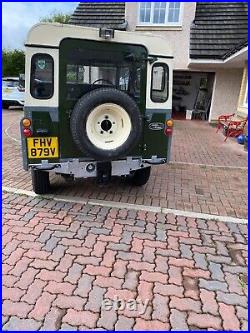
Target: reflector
[(168, 131), (27, 132)]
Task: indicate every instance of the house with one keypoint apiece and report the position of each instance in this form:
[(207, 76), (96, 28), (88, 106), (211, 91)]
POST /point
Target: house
[(210, 43)]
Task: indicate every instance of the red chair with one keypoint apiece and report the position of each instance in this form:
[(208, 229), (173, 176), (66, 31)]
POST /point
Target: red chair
[(233, 127)]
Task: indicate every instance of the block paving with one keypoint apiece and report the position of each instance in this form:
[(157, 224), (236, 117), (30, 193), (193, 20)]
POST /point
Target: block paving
[(218, 186), (62, 259)]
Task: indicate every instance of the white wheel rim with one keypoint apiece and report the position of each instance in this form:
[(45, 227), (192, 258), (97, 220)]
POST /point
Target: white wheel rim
[(108, 126)]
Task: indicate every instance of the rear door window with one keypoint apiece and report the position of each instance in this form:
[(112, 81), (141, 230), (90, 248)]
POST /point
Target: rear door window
[(159, 83), (41, 81)]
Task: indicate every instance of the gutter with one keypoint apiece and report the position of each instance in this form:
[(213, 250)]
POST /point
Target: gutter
[(231, 56)]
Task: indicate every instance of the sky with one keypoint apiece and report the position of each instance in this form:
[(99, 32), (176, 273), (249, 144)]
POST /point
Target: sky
[(19, 17)]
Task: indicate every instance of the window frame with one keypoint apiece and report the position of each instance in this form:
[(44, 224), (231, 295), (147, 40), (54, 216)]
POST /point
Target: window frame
[(245, 104), (31, 75), (166, 23), (166, 82)]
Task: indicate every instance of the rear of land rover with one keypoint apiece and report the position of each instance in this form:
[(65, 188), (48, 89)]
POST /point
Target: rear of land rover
[(57, 79)]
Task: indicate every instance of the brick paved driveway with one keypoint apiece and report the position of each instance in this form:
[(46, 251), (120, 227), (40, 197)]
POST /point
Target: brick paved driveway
[(192, 187), (198, 142), (60, 260)]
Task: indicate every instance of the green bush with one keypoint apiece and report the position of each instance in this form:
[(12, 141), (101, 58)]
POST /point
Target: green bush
[(13, 62), (56, 17)]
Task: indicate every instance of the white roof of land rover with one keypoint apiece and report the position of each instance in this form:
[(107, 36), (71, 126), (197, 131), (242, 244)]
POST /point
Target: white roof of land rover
[(51, 34)]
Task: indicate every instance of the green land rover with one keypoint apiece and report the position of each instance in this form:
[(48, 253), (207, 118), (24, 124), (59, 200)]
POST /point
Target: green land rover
[(97, 104)]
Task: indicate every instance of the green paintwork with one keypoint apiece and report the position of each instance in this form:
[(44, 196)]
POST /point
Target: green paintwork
[(157, 143), (41, 120), (152, 143), (101, 51)]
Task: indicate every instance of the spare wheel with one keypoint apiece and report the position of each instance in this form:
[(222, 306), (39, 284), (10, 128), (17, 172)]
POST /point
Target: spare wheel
[(106, 124)]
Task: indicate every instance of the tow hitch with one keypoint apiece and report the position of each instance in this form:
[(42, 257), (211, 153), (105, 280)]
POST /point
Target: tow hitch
[(103, 172)]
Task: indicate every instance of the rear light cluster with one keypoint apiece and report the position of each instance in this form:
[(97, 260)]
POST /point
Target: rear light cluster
[(168, 127), (26, 124)]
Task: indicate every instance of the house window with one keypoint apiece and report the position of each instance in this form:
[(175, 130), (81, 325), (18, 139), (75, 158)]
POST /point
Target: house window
[(174, 12), (145, 11), (159, 13), (159, 83)]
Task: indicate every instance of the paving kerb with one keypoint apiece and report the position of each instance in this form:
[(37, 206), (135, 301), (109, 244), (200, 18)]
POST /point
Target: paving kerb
[(120, 205), (210, 165)]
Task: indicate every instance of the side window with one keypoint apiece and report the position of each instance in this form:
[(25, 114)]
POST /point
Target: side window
[(159, 83), (42, 76), (75, 73)]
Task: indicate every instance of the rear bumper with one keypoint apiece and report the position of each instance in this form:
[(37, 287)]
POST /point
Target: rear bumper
[(88, 169)]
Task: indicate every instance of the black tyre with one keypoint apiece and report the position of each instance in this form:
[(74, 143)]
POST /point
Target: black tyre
[(106, 124), (40, 181), (141, 176)]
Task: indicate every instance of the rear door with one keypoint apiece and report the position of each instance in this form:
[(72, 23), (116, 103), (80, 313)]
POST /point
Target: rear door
[(81, 62)]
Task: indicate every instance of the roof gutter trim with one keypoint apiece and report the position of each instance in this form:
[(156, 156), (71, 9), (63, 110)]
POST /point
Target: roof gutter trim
[(205, 61), (216, 61), (244, 49)]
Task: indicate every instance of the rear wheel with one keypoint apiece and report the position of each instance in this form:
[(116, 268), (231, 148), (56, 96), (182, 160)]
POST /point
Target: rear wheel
[(40, 181), (141, 176)]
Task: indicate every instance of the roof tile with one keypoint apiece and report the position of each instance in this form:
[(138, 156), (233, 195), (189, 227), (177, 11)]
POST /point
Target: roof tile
[(99, 14), (219, 29)]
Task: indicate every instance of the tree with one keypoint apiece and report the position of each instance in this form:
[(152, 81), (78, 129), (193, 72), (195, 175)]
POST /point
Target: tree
[(13, 62), (56, 17)]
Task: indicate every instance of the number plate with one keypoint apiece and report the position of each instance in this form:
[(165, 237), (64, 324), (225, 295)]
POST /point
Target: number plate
[(42, 147)]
